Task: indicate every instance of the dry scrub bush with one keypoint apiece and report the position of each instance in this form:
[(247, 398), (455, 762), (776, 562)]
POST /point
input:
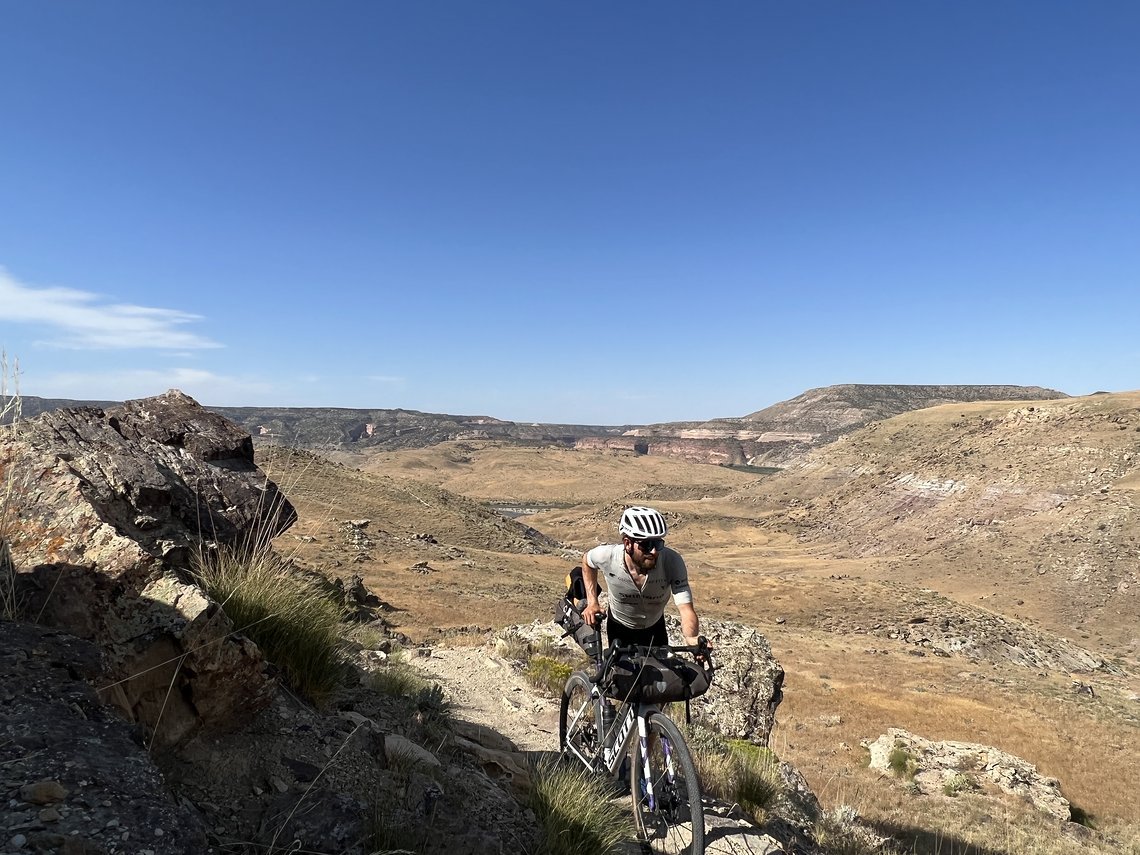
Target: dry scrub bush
[(397, 679), (736, 771), (575, 812), (9, 418), (548, 675), (293, 621), (838, 832)]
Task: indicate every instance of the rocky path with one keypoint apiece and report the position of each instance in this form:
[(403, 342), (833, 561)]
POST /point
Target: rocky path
[(489, 692)]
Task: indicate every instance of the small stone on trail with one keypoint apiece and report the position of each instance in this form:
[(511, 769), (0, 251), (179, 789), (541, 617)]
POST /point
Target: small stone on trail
[(43, 792)]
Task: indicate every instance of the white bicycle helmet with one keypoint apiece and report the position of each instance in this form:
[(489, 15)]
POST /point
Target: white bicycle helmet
[(640, 523)]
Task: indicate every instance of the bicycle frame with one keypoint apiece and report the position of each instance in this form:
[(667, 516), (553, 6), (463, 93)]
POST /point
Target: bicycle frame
[(611, 751), (666, 793), (608, 758)]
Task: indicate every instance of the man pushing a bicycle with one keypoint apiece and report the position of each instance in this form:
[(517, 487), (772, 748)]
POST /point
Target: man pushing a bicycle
[(640, 574)]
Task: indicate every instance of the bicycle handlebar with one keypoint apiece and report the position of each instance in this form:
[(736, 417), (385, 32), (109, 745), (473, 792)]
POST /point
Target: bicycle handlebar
[(701, 652)]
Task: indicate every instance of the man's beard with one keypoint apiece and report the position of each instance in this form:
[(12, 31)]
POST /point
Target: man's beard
[(645, 563)]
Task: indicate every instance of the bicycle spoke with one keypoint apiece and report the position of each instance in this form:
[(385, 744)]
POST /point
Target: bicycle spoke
[(666, 796), (577, 727)]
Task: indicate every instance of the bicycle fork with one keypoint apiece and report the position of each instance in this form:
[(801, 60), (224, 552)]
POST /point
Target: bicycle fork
[(651, 796)]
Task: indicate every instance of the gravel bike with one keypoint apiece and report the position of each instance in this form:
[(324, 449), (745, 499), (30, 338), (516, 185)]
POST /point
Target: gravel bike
[(664, 789)]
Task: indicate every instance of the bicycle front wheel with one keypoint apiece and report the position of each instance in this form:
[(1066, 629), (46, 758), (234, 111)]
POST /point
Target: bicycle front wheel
[(577, 720), (666, 794)]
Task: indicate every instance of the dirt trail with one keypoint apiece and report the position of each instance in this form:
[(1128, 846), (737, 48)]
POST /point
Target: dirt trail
[(486, 690)]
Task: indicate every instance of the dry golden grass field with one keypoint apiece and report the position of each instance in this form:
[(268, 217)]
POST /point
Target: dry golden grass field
[(1015, 516)]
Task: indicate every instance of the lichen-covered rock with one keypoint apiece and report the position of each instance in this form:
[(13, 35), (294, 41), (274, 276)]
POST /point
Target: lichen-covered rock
[(747, 686), (939, 765), (125, 489), (104, 510)]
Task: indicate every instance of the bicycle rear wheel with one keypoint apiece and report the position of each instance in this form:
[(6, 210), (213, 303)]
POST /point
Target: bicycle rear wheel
[(577, 720), (667, 807)]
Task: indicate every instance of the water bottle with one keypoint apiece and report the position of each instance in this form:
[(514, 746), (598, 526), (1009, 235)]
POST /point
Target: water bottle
[(608, 716)]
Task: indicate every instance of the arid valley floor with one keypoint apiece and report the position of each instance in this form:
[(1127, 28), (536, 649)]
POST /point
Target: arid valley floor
[(953, 571)]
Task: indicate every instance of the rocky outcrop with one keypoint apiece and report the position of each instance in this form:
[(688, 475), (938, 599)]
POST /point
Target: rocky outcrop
[(713, 448), (784, 432), (104, 511), (833, 410), (748, 684), (951, 767)]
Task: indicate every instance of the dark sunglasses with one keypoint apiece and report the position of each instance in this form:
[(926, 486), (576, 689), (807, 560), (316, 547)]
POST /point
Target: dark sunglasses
[(650, 543)]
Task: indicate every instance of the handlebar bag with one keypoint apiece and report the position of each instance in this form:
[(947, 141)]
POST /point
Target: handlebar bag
[(657, 680)]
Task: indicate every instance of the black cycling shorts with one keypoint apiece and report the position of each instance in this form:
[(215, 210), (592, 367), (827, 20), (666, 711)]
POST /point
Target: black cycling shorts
[(654, 635)]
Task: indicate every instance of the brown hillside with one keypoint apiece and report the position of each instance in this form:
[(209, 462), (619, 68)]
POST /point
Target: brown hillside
[(1028, 509)]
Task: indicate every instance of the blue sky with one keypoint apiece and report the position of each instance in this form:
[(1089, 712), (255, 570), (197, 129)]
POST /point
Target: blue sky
[(585, 212)]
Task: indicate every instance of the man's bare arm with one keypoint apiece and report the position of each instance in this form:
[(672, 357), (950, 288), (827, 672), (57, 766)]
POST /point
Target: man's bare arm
[(690, 623), (590, 580)]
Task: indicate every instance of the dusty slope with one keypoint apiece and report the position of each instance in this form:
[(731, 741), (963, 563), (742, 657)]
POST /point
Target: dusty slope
[(1027, 509)]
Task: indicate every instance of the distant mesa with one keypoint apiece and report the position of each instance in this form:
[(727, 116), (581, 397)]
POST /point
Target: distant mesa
[(772, 436)]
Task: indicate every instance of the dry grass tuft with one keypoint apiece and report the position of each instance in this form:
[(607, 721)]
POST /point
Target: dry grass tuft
[(737, 771), (575, 812), (293, 621)]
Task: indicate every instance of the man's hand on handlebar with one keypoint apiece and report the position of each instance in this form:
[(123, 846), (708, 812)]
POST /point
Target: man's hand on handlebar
[(703, 656), (590, 614)]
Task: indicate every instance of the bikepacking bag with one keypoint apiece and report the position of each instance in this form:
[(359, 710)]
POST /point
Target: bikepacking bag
[(567, 616), (568, 613), (657, 680)]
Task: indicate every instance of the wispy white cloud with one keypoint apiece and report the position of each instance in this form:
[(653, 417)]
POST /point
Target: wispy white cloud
[(385, 378), (85, 321), (205, 387)]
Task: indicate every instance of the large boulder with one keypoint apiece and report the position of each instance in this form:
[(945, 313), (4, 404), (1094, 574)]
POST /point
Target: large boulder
[(104, 510), (747, 686), (946, 767)]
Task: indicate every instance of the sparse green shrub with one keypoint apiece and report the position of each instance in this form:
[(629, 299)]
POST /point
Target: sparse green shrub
[(548, 675), (736, 771), (432, 717), (369, 637), (425, 710), (959, 784), (902, 762), (396, 679), (575, 812), (291, 619)]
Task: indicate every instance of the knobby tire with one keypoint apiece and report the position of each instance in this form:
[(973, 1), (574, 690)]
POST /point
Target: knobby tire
[(575, 696), (676, 823)]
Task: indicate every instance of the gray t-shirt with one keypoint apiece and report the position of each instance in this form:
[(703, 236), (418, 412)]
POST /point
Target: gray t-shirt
[(640, 608)]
